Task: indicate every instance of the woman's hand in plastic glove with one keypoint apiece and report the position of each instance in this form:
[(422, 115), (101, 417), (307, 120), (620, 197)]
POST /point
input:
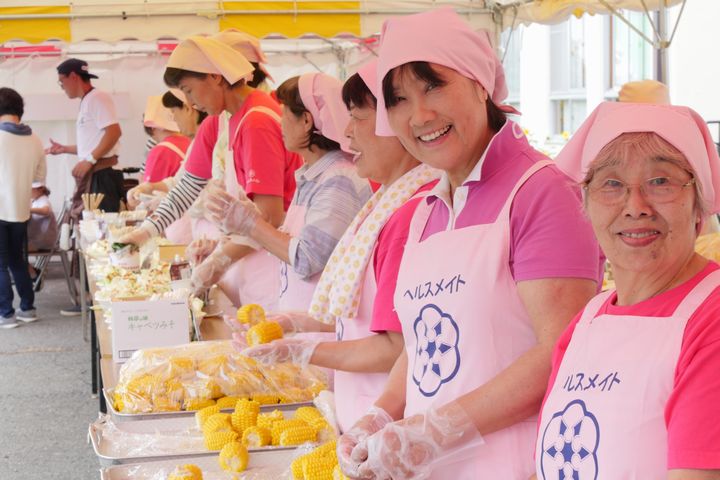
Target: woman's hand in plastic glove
[(293, 321), (133, 195), (407, 448), (209, 271), (199, 250), (137, 237), (293, 350), (232, 215), (347, 445)]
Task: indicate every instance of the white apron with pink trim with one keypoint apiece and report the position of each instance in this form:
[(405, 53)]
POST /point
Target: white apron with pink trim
[(604, 416), (255, 277), (463, 323), (356, 392), (295, 291)]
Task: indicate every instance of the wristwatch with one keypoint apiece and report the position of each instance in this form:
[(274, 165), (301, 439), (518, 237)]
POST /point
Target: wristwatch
[(90, 158)]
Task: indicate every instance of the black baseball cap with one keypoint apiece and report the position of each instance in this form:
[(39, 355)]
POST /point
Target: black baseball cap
[(76, 65)]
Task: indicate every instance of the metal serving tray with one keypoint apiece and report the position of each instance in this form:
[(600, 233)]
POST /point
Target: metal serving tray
[(263, 465), (183, 428), (129, 417)]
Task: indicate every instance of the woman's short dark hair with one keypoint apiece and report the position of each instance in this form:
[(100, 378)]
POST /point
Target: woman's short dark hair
[(148, 130), (356, 93), (11, 103), (288, 93), (259, 76), (171, 101), (423, 71), (173, 76)]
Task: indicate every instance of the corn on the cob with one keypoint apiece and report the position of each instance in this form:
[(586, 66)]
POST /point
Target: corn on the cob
[(338, 474), (281, 426), (263, 332), (266, 398), (217, 440), (204, 413), (326, 449), (245, 415), (255, 437), (197, 403), (318, 468), (250, 314), (186, 472), (267, 420), (217, 422), (233, 457), (162, 403), (296, 466), (325, 432), (308, 414), (181, 366), (297, 435), (227, 402)]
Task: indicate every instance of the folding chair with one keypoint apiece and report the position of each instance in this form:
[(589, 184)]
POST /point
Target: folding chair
[(43, 257)]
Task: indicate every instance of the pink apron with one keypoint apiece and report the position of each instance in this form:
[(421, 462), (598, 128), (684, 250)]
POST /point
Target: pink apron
[(463, 323), (356, 392), (255, 277), (604, 416), (180, 231)]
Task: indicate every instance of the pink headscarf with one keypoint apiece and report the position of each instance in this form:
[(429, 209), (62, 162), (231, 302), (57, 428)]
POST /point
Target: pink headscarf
[(682, 127), (321, 95), (368, 74), (442, 37)]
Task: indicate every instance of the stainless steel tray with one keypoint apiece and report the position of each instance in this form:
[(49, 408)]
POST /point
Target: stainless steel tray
[(129, 417), (263, 465), (182, 428)]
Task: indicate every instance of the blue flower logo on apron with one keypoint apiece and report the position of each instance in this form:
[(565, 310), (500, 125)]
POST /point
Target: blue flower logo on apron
[(569, 444), (283, 278), (437, 358)]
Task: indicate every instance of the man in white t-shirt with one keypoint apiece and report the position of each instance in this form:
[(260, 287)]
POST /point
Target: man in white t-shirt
[(98, 133), (22, 162)]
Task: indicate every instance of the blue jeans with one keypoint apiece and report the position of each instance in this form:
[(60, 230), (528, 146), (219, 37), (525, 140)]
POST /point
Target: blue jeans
[(13, 258)]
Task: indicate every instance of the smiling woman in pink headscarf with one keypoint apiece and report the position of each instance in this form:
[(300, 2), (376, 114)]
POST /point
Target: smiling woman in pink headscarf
[(498, 259), (329, 192), (634, 390)]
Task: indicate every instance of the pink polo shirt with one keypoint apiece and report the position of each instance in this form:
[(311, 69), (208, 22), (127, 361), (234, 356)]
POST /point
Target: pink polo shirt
[(550, 236), (262, 164), (693, 407), (162, 161)]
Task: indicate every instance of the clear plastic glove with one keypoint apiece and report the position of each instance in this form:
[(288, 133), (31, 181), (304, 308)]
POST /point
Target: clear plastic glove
[(133, 195), (407, 448), (199, 250), (153, 201), (293, 321), (239, 341), (232, 215), (138, 237), (373, 421), (209, 271), (294, 350)]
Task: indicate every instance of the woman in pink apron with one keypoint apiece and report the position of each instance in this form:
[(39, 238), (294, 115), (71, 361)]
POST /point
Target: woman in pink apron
[(216, 76), (329, 192), (187, 119), (498, 259), (634, 391), (358, 269)]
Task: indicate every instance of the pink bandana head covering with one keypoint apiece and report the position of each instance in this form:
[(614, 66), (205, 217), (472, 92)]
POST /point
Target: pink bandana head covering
[(442, 37), (368, 74), (682, 127), (321, 95), (246, 44), (157, 116)]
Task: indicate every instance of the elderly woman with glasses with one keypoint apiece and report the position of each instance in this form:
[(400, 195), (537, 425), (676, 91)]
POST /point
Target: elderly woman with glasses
[(634, 390)]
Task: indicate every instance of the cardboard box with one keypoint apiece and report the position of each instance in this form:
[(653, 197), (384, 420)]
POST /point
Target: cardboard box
[(166, 253), (137, 324)]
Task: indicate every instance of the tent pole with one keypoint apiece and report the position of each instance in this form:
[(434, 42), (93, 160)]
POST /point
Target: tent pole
[(661, 51)]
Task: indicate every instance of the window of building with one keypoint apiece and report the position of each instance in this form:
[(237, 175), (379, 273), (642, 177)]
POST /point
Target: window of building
[(567, 75), (510, 45), (631, 57)]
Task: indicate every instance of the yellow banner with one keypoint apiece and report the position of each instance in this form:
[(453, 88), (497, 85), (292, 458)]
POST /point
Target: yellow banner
[(34, 30), (296, 18)]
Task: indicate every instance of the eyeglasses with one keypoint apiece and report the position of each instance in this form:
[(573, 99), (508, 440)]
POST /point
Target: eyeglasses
[(611, 191)]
